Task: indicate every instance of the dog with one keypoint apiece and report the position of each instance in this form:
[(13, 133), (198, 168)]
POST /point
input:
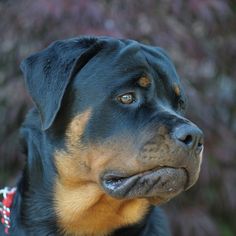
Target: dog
[(106, 141)]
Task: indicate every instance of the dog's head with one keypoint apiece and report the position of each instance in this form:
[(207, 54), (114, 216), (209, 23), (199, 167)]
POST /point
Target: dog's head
[(119, 107)]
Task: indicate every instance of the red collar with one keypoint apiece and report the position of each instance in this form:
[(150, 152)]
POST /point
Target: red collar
[(5, 206)]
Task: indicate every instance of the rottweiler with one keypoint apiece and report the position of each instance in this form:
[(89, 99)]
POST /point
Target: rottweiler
[(106, 141)]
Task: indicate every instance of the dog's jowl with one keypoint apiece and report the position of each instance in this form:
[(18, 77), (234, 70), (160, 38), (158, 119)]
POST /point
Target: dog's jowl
[(106, 141)]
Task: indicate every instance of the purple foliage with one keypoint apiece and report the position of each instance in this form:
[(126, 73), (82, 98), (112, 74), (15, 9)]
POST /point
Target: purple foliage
[(199, 35)]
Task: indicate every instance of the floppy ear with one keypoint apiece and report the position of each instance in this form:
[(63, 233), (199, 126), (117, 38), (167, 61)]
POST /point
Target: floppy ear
[(48, 73)]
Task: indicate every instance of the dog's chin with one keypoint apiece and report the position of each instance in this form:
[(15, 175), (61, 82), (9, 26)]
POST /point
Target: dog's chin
[(157, 185)]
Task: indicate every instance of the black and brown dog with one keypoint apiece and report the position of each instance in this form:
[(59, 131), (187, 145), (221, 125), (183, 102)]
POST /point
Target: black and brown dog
[(105, 142)]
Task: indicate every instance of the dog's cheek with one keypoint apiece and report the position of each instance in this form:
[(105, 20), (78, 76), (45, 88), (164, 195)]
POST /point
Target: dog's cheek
[(69, 164), (85, 161), (82, 206)]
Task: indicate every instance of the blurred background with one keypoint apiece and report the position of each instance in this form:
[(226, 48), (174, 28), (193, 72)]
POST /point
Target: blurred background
[(200, 37)]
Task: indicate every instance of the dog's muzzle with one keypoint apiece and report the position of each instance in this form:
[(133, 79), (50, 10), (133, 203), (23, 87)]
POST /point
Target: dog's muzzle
[(171, 164)]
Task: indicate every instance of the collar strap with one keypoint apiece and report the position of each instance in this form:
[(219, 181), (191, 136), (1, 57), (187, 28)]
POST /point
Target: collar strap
[(5, 206)]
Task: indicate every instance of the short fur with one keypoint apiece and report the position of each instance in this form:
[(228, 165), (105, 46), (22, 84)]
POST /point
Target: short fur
[(79, 133)]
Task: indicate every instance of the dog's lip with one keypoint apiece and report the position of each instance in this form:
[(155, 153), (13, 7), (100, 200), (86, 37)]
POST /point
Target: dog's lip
[(118, 176), (161, 181)]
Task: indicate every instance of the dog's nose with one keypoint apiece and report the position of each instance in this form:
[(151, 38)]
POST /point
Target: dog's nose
[(190, 137)]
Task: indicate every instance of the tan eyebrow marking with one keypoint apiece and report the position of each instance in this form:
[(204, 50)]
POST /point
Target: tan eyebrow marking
[(176, 89), (144, 82)]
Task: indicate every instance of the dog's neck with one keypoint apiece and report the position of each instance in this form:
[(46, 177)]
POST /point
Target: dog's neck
[(34, 206), (33, 201), (84, 210)]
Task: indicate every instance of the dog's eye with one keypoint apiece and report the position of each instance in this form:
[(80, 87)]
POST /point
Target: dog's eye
[(127, 98)]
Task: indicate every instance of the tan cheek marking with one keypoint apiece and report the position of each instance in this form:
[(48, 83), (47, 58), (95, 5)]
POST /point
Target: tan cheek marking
[(71, 168), (81, 205), (76, 129), (144, 82), (176, 90)]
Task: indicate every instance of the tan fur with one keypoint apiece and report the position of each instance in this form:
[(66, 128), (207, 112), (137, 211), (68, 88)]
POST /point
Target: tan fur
[(144, 82), (81, 205), (176, 90)]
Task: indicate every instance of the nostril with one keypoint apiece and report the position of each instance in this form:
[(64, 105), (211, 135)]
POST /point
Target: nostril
[(200, 144), (189, 136), (187, 140)]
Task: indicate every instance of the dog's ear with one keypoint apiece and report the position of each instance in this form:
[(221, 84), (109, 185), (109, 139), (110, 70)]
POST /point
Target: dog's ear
[(48, 73)]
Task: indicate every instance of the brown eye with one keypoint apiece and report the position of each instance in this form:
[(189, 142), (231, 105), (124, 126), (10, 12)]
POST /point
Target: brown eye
[(127, 98)]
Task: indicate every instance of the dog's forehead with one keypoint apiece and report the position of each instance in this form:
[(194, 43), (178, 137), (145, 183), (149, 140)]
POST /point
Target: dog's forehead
[(122, 60), (131, 56)]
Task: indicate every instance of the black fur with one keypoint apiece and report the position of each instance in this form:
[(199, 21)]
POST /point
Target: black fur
[(65, 79)]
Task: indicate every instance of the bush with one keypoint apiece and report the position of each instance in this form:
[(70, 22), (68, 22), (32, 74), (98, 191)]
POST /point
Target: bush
[(199, 35)]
